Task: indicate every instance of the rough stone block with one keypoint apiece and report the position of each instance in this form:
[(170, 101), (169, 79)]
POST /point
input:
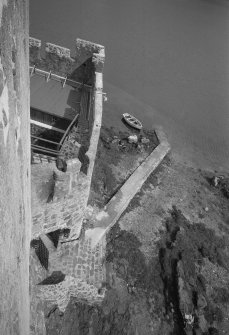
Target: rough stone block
[(34, 42), (58, 50)]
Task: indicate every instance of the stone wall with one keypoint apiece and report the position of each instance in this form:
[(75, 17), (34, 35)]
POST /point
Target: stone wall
[(86, 50), (66, 206), (105, 219), (84, 271), (80, 66), (64, 202), (15, 219), (92, 150), (57, 59), (60, 198)]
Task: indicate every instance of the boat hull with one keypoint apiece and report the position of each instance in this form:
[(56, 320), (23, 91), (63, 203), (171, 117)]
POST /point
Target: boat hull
[(132, 121)]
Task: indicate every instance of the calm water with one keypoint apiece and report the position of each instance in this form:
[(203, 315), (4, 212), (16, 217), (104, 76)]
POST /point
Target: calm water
[(166, 62)]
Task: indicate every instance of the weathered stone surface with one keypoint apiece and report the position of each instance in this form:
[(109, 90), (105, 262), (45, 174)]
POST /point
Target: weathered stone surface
[(58, 50), (68, 190), (14, 168), (34, 42)]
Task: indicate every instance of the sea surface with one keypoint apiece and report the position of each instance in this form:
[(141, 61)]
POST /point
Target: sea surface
[(166, 63)]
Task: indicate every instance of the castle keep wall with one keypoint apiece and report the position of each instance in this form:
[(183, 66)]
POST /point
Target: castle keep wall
[(65, 207), (14, 168)]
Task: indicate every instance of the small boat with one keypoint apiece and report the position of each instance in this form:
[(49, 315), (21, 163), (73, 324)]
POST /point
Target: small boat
[(132, 121)]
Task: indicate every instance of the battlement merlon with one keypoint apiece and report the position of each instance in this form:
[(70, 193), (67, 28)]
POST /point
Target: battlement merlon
[(34, 42), (58, 50), (34, 48), (86, 49), (89, 47)]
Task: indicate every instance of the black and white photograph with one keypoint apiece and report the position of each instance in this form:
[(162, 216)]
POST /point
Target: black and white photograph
[(114, 167)]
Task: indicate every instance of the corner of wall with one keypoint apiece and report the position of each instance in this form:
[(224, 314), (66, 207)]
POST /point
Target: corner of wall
[(34, 50), (56, 58)]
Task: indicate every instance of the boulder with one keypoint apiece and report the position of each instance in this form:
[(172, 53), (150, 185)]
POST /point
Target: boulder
[(133, 139)]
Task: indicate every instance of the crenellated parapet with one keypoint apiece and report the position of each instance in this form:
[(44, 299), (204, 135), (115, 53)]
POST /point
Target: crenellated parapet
[(86, 49), (50, 48), (56, 59), (87, 58)]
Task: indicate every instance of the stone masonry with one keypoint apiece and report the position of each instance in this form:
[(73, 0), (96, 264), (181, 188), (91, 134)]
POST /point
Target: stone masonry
[(76, 265), (71, 190), (66, 206), (59, 198), (82, 261), (84, 272), (15, 218)]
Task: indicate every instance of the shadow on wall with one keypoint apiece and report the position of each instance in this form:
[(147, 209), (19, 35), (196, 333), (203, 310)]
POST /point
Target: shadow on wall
[(73, 103), (84, 73), (84, 159), (41, 252)]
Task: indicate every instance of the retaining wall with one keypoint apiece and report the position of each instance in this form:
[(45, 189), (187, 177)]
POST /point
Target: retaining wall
[(116, 206)]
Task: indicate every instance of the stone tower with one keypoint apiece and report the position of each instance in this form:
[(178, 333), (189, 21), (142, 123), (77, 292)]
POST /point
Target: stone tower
[(15, 220)]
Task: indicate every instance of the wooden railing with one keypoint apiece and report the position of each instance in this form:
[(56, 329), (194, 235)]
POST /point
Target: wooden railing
[(45, 150), (49, 75), (44, 140), (68, 129)]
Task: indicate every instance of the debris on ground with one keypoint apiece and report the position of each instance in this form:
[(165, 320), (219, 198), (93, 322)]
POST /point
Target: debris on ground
[(132, 139), (117, 158), (144, 140)]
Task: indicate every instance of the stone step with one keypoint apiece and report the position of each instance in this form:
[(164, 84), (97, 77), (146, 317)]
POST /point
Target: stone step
[(84, 273), (41, 158)]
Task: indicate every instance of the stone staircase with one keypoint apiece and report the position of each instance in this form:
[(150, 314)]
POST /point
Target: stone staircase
[(84, 270), (41, 158)]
